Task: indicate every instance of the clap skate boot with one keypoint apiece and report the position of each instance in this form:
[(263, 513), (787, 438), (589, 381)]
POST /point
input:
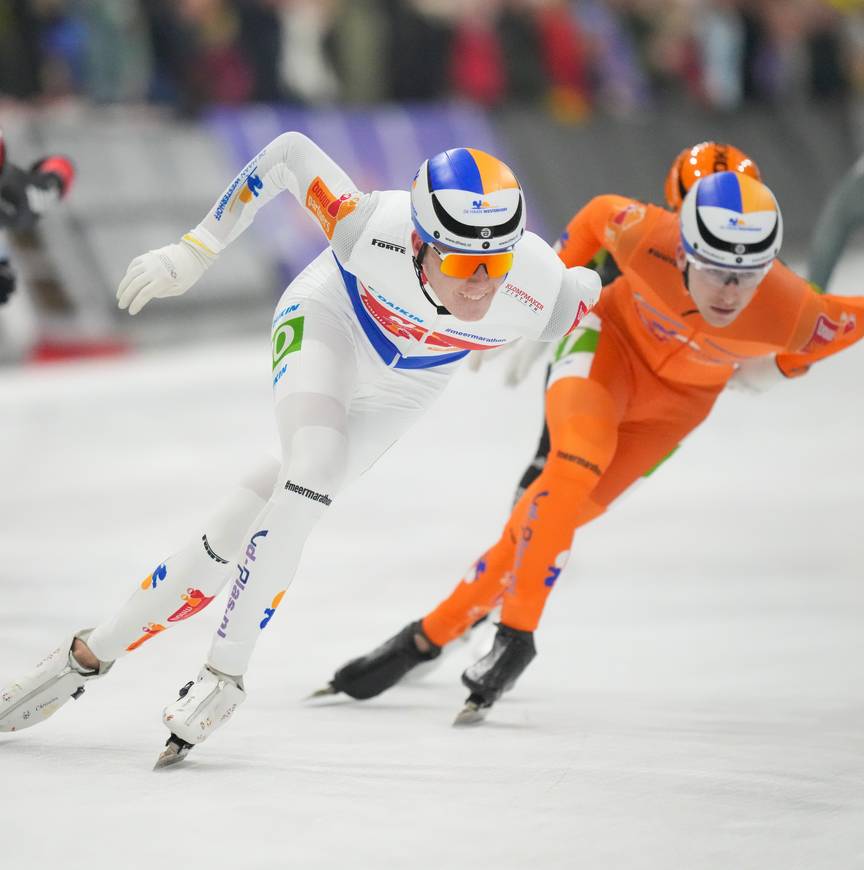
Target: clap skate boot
[(379, 670), (497, 672), (41, 693), (204, 705)]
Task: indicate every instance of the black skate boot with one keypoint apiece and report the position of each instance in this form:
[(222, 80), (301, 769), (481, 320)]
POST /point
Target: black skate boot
[(497, 672), (372, 674)]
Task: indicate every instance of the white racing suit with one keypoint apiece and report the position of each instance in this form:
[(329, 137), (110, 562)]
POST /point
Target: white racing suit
[(359, 350)]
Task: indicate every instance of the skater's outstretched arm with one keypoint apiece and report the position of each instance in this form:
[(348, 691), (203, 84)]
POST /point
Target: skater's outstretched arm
[(292, 162)]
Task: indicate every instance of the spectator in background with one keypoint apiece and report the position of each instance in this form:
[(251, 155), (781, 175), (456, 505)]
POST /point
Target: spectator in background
[(420, 36), (261, 41), (361, 36), (62, 45), (781, 61), (222, 73), (304, 67), (522, 52), (117, 67), (545, 56), (477, 70), (828, 78), (720, 35), (564, 59), (19, 49), (172, 44), (617, 54), (620, 84)]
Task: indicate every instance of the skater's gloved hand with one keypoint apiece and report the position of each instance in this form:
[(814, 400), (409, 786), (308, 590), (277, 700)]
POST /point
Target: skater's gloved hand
[(167, 271), (42, 192), (756, 375), (478, 357), (521, 360), (7, 281)]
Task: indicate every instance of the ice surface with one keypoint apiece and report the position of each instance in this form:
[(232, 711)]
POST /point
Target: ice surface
[(697, 700)]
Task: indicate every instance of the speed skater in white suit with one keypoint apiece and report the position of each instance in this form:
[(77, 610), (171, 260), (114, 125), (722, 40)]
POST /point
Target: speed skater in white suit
[(363, 341)]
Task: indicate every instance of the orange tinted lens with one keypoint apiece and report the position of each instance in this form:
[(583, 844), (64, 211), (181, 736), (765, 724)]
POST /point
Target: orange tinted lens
[(465, 265)]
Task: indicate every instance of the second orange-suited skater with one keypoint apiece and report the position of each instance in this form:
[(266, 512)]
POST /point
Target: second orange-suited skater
[(701, 300)]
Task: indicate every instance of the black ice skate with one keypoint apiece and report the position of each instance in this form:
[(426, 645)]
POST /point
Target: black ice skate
[(497, 672), (372, 674)]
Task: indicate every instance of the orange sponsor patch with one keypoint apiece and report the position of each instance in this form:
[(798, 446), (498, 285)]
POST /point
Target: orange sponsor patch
[(328, 208), (150, 630), (622, 221)]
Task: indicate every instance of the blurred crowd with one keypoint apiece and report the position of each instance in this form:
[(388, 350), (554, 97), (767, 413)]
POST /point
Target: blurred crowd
[(576, 56)]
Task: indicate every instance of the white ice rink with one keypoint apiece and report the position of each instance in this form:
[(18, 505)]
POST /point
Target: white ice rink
[(697, 701)]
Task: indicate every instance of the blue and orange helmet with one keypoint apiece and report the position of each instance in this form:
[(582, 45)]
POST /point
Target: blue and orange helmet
[(468, 200), (732, 221)]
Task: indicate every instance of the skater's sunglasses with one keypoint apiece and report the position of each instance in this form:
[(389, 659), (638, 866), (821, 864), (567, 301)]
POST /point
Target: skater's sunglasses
[(458, 265), (746, 279)]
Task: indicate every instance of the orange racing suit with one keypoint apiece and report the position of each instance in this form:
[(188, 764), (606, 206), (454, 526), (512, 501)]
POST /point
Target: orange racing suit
[(641, 373)]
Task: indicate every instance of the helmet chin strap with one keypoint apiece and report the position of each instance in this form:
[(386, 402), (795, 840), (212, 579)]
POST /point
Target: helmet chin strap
[(425, 286)]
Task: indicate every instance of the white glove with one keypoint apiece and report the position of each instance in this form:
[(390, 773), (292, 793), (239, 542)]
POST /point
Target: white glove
[(756, 375), (477, 357), (521, 361), (168, 271), (520, 354), (41, 199)]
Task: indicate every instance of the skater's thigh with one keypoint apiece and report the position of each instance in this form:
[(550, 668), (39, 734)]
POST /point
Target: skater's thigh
[(314, 360), (388, 403)]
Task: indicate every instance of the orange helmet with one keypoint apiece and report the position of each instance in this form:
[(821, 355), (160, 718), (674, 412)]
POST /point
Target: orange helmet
[(703, 159)]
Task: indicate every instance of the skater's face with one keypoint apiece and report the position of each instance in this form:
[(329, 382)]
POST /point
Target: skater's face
[(465, 298), (720, 294)]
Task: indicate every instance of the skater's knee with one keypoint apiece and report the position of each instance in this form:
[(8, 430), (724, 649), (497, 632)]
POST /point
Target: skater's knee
[(262, 479), (583, 419), (300, 410), (582, 444), (318, 460)]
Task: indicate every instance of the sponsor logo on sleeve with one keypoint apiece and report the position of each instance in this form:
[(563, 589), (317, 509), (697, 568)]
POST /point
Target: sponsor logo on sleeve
[(250, 189), (661, 255), (826, 330), (520, 295), (389, 246), (581, 311), (327, 208), (624, 220)]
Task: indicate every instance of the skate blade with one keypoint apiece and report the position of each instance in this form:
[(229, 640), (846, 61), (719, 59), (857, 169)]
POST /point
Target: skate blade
[(172, 754), (470, 714), (326, 692)]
